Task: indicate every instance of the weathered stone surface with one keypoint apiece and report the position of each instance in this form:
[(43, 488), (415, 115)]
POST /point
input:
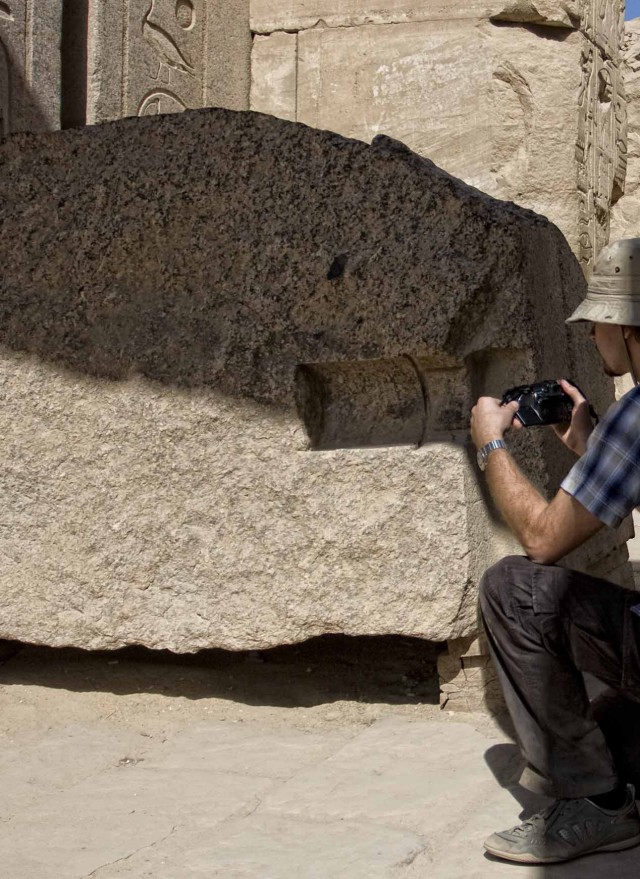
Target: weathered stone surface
[(274, 75), (495, 126), (167, 56), (163, 279), (273, 15), (625, 217), (29, 65), (532, 114), (553, 13)]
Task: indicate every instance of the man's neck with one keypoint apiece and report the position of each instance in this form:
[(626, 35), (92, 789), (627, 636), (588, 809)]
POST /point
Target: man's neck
[(633, 352)]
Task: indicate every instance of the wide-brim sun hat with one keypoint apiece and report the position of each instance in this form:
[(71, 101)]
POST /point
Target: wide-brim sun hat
[(613, 291)]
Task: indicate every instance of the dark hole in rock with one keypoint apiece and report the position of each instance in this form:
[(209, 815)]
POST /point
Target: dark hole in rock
[(337, 267)]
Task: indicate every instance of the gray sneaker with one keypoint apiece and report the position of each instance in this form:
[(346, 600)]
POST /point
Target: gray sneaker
[(569, 829)]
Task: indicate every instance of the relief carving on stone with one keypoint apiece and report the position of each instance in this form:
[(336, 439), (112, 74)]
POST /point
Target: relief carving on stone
[(603, 24), (161, 101), (157, 32), (601, 148), (165, 43)]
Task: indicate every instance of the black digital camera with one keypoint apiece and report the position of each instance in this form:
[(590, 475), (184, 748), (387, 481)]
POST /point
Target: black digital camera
[(541, 403)]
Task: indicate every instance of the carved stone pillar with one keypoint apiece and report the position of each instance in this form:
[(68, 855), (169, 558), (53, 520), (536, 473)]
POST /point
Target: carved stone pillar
[(29, 65), (148, 57)]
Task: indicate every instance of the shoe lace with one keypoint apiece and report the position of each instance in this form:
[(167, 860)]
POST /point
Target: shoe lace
[(543, 817)]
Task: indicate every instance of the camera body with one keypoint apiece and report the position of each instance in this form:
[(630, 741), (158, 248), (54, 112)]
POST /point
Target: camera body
[(541, 403)]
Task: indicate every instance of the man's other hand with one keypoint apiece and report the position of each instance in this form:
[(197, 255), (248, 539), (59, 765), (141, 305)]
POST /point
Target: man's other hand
[(490, 420), (575, 434)]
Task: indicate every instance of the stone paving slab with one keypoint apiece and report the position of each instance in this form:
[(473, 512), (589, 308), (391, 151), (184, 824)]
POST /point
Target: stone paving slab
[(273, 847), (400, 799), (31, 771), (242, 749), (413, 776), (115, 813)]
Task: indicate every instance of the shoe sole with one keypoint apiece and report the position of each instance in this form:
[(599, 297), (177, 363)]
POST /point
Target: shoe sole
[(527, 858)]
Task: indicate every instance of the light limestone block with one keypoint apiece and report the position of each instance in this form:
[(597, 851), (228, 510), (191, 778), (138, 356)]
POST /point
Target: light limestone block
[(273, 15), (468, 680), (159, 483), (551, 13), (30, 82), (274, 75), (501, 127), (167, 56)]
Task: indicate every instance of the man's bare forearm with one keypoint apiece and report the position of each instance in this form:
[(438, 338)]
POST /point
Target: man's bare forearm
[(518, 502)]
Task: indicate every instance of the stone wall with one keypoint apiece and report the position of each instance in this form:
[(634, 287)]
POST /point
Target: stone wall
[(238, 356), (522, 99)]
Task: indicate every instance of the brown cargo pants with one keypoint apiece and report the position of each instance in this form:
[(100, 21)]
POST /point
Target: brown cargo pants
[(545, 626)]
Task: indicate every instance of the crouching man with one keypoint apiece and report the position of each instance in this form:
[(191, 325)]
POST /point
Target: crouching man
[(546, 624)]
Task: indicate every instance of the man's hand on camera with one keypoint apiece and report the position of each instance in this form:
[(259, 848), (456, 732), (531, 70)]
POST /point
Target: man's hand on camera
[(490, 420), (575, 434)]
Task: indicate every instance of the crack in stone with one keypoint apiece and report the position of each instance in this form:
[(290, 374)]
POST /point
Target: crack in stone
[(95, 873), (423, 848), (250, 811)]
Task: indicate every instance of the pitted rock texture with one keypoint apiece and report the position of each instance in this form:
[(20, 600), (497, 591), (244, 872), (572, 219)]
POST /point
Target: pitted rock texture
[(162, 281)]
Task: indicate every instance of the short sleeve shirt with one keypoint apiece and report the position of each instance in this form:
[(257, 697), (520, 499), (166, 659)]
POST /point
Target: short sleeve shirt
[(606, 479)]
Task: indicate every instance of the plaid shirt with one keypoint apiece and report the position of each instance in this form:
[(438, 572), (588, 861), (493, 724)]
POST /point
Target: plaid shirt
[(606, 479)]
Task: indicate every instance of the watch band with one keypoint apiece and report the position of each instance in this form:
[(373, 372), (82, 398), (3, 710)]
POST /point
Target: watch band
[(485, 451)]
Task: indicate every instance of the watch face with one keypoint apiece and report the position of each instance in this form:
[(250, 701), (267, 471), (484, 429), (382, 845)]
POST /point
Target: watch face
[(481, 458)]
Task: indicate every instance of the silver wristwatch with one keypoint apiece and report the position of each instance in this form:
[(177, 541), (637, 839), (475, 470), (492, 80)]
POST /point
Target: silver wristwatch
[(486, 450)]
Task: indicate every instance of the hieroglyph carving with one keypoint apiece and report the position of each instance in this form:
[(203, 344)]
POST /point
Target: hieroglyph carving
[(601, 149), (165, 48), (603, 24)]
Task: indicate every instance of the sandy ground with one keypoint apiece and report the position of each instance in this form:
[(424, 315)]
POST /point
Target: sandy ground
[(322, 683), (327, 760)]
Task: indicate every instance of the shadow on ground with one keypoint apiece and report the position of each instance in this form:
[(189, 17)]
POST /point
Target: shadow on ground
[(394, 670)]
